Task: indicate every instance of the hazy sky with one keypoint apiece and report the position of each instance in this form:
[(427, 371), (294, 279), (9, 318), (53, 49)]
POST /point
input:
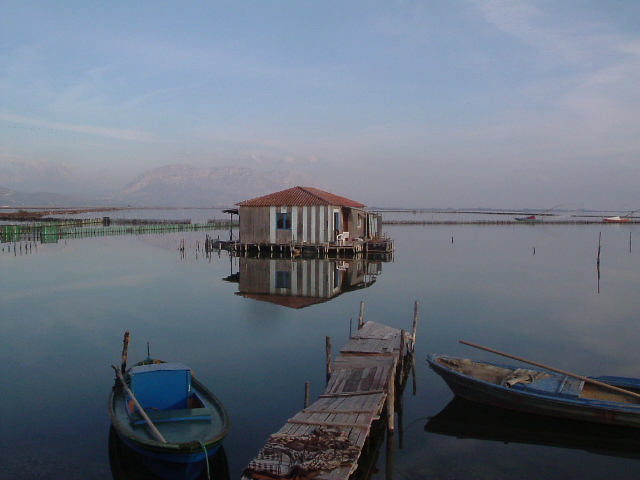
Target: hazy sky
[(456, 103)]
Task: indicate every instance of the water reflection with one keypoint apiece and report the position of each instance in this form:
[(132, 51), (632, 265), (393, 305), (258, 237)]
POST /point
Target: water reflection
[(300, 282), (126, 465), (469, 420)]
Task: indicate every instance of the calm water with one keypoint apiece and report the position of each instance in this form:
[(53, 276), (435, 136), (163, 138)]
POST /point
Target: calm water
[(533, 291)]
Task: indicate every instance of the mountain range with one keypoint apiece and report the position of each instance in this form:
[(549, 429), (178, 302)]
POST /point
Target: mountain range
[(174, 186)]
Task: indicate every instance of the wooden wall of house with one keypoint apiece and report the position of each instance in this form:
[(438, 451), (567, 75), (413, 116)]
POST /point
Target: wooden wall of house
[(254, 225), (313, 225)]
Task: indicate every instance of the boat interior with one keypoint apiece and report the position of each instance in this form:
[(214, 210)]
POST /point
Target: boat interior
[(595, 392), (481, 371), (165, 392)]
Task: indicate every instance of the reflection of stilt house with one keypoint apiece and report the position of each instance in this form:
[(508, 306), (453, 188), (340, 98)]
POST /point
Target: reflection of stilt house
[(301, 282), (307, 219)]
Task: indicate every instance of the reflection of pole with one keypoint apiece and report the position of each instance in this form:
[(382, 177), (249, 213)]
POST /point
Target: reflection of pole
[(413, 373), (391, 447), (598, 260), (400, 407)]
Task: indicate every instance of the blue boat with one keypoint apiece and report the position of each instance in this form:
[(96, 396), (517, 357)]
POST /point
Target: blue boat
[(126, 464), (542, 391), (164, 414)]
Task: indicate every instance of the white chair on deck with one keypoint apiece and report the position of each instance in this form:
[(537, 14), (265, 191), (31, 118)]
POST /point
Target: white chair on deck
[(342, 237)]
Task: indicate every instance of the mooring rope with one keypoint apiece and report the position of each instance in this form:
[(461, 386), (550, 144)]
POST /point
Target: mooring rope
[(206, 457)]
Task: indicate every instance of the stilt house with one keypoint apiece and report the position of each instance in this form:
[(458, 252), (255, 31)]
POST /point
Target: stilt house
[(304, 217)]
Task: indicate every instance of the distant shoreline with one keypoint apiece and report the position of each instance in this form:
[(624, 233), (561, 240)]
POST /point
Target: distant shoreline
[(36, 213)]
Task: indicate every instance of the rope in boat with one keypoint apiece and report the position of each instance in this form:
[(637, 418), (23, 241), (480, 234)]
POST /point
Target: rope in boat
[(206, 457)]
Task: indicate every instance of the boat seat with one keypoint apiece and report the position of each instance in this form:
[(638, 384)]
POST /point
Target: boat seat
[(183, 414), (550, 384)]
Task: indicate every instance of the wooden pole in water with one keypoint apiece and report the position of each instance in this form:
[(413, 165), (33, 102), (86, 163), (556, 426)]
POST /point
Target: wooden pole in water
[(125, 351), (403, 336), (415, 327), (391, 400), (328, 348), (579, 377), (307, 394), (144, 415), (361, 317)]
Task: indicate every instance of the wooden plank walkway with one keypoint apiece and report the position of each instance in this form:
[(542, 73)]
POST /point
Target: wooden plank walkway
[(325, 440)]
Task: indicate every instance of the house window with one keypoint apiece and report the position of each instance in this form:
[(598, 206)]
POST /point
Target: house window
[(283, 279), (283, 221)]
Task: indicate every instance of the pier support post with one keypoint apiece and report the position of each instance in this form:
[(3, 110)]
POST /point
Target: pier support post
[(307, 394), (415, 327), (403, 336), (361, 317), (391, 400), (328, 348)]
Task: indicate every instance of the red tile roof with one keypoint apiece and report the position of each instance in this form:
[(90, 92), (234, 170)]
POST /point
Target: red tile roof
[(302, 196)]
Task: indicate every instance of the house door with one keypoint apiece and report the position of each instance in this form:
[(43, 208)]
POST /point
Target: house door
[(336, 223)]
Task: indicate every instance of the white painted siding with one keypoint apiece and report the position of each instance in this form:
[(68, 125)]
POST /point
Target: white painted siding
[(272, 225)]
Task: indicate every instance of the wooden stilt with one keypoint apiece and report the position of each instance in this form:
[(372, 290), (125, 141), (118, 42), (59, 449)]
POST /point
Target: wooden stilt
[(391, 399), (328, 348), (415, 327), (307, 394)]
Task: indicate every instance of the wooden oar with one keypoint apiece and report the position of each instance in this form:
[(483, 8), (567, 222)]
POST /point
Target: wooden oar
[(579, 377), (152, 427)]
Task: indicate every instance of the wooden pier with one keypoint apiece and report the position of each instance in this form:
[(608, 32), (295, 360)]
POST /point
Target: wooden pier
[(326, 439), (336, 249)]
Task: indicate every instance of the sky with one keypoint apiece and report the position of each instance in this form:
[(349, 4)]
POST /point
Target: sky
[(429, 104)]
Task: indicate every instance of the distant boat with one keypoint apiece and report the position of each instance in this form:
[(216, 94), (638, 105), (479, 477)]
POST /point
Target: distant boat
[(534, 218), (542, 391), (619, 219), (164, 414)]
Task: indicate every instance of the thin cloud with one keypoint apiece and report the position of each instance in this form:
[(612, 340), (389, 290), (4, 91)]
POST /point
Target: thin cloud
[(16, 121)]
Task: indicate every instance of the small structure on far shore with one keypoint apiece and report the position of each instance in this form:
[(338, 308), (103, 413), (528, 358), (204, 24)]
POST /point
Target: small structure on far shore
[(305, 219)]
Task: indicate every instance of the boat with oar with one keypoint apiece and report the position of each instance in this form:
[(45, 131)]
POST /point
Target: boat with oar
[(544, 390), (164, 414)]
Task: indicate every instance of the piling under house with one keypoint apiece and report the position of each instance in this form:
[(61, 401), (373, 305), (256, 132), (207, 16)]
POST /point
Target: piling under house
[(305, 219)]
